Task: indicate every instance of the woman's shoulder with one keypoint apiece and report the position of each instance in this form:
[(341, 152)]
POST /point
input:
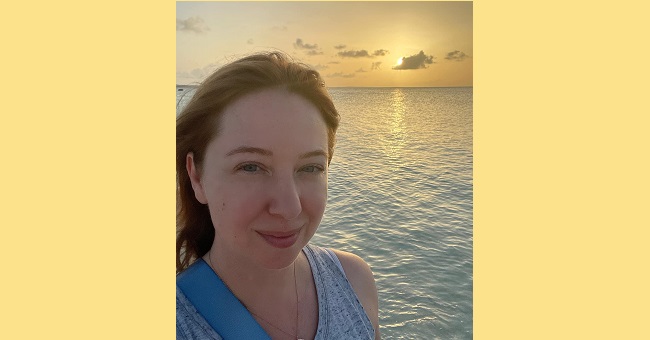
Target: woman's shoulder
[(357, 270), (361, 278), (354, 266)]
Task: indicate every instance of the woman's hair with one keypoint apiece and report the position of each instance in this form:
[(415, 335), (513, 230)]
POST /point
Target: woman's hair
[(199, 122)]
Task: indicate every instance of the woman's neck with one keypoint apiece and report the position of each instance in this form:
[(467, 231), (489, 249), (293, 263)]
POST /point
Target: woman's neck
[(255, 285)]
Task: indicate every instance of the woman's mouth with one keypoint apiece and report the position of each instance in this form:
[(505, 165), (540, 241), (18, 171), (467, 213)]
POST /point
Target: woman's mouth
[(280, 239)]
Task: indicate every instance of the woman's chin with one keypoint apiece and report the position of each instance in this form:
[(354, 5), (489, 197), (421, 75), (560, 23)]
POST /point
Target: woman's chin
[(281, 261)]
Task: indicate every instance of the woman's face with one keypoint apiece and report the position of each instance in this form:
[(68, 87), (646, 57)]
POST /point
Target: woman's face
[(264, 178)]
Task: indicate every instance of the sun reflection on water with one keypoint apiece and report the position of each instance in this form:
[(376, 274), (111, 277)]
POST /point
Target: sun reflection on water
[(395, 139)]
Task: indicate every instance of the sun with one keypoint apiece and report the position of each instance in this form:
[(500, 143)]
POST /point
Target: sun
[(399, 61)]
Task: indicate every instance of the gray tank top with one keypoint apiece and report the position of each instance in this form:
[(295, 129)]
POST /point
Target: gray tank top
[(340, 314)]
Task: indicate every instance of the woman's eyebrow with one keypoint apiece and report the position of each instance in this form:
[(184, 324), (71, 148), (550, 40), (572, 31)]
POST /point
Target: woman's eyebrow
[(250, 149), (313, 154), (264, 152)]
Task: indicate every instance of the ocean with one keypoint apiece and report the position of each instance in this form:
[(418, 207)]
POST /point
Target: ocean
[(400, 196)]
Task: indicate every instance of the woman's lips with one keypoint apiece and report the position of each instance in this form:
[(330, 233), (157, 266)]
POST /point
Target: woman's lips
[(280, 239)]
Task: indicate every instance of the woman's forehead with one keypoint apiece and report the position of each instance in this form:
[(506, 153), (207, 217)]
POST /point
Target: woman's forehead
[(273, 119), (271, 108)]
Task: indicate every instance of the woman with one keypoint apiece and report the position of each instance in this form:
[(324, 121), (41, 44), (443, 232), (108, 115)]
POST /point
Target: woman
[(253, 151)]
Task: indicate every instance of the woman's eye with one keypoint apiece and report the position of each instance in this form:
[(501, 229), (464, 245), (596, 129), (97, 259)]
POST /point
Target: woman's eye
[(249, 167), (312, 168)]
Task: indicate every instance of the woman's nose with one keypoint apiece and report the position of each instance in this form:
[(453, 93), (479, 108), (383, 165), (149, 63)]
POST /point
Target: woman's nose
[(285, 198)]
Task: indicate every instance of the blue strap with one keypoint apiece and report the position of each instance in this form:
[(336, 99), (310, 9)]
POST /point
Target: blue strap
[(217, 304)]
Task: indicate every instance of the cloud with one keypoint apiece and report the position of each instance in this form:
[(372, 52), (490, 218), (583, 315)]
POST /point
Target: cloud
[(380, 53), (340, 47), (299, 44), (198, 74), (193, 24), (341, 75), (456, 55), (183, 74), (250, 41), (334, 62), (415, 62), (320, 67), (361, 53), (354, 54), (361, 70), (311, 49), (375, 66)]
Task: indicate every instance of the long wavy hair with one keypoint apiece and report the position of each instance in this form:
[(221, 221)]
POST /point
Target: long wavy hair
[(199, 122)]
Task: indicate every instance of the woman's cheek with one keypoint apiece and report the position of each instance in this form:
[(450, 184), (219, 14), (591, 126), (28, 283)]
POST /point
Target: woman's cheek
[(317, 198)]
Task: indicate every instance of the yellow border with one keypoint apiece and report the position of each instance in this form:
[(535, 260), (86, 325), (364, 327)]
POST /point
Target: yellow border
[(88, 169), (561, 173)]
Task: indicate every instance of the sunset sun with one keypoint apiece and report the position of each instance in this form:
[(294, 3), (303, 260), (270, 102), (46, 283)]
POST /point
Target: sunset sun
[(399, 61)]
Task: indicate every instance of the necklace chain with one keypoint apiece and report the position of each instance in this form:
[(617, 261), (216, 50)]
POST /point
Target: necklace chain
[(295, 285)]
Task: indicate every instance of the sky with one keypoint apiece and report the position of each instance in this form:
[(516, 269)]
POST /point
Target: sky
[(351, 44)]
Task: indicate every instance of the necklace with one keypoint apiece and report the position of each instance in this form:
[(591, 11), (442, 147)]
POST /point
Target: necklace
[(295, 285)]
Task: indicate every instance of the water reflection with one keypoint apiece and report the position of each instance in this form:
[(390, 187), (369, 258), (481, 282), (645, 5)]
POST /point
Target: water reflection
[(395, 139)]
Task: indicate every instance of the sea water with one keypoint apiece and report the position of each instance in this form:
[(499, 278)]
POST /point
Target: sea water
[(400, 196)]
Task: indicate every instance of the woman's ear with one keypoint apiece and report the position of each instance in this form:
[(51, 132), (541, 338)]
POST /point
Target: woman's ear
[(195, 178)]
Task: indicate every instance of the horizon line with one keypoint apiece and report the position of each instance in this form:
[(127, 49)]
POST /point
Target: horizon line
[(188, 85)]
